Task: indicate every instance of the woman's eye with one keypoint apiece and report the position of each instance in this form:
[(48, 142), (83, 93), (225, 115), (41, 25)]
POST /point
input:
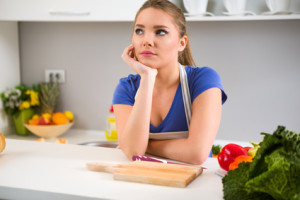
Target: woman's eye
[(161, 32), (138, 31)]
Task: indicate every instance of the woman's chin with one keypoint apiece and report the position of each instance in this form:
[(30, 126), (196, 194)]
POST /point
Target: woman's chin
[(148, 63)]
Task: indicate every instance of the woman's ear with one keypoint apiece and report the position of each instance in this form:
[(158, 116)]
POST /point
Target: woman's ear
[(182, 43)]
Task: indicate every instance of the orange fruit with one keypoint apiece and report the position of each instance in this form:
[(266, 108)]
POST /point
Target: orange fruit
[(61, 140), (2, 142), (40, 140), (33, 122), (59, 118)]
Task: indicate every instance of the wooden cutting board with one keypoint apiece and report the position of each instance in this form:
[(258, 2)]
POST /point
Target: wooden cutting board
[(175, 175)]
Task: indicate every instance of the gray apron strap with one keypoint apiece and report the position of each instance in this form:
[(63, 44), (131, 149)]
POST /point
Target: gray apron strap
[(187, 107), (185, 95)]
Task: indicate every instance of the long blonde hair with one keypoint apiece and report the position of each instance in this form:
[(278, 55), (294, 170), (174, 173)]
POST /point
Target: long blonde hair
[(184, 57)]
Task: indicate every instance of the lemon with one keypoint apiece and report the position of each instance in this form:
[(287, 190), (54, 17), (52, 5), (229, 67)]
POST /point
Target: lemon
[(36, 116), (69, 115), (47, 116)]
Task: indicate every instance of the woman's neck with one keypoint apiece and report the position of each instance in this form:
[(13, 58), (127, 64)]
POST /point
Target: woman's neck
[(167, 76)]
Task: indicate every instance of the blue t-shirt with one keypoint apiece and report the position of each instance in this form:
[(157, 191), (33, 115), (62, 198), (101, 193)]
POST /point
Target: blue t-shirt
[(199, 80)]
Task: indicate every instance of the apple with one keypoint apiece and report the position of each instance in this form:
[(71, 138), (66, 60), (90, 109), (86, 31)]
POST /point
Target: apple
[(43, 121)]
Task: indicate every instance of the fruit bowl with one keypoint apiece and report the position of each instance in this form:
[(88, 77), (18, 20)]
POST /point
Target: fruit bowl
[(48, 131)]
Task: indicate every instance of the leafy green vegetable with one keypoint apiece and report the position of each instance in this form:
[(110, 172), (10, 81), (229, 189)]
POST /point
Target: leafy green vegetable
[(274, 172), (234, 185), (216, 149)]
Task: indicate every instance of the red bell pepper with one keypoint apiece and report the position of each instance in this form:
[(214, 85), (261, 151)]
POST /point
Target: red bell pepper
[(229, 153)]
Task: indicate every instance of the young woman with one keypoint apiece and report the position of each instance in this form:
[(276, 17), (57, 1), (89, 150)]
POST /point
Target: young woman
[(152, 100)]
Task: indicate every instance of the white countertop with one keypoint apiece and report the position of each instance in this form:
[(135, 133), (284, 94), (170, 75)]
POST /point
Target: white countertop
[(34, 170), (73, 136), (77, 136)]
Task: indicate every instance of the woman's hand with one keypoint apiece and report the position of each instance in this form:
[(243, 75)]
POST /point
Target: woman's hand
[(143, 70)]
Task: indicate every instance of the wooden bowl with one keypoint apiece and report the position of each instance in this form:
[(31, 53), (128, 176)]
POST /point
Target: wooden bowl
[(49, 131)]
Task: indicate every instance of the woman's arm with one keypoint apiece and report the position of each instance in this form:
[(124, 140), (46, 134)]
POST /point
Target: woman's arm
[(133, 121), (206, 117)]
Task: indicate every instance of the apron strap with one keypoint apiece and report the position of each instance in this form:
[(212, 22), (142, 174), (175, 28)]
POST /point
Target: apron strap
[(185, 95)]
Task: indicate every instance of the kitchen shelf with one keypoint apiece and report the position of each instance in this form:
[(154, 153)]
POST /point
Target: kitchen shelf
[(62, 18), (245, 18)]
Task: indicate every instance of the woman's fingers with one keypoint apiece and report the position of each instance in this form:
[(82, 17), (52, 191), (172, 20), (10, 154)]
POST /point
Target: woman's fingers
[(131, 53), (128, 53), (129, 57)]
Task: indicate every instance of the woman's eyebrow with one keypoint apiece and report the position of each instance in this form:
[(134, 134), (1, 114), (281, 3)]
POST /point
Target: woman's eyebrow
[(140, 25), (155, 26), (160, 26)]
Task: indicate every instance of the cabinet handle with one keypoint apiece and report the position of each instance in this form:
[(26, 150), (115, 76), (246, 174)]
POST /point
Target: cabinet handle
[(73, 13)]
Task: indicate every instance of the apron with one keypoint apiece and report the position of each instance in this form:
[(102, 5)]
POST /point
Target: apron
[(187, 108)]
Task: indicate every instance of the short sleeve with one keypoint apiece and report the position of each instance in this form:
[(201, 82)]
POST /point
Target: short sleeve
[(125, 91), (204, 78)]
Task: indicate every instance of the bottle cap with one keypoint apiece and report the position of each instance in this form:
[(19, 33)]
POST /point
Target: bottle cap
[(111, 109)]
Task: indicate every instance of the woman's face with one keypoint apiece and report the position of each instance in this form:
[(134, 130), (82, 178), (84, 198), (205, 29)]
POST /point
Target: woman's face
[(156, 38)]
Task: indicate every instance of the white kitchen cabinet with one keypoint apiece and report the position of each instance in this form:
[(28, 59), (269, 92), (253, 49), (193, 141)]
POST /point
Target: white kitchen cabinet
[(9, 65), (96, 10), (69, 10)]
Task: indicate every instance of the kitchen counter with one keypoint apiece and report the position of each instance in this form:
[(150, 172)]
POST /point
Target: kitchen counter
[(73, 136), (77, 136), (35, 170)]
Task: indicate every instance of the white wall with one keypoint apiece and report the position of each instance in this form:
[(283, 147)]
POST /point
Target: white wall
[(9, 65), (257, 60), (260, 66)]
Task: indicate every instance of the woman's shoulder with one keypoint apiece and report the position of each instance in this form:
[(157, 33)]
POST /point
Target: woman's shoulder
[(132, 80), (203, 78), (129, 83), (126, 90), (201, 72)]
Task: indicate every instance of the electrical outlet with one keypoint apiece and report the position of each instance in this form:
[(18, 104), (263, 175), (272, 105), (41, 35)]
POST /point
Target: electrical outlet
[(55, 74)]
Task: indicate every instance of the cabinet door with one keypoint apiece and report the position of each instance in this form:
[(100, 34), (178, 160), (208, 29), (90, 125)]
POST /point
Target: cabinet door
[(69, 10), (9, 67)]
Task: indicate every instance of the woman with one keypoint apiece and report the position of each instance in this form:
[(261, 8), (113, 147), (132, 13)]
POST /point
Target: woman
[(159, 43)]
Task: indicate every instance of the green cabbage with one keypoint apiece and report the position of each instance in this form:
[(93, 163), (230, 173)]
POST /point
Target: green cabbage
[(274, 172)]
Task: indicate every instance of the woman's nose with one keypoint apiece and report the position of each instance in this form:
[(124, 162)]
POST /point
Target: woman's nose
[(147, 44), (148, 41)]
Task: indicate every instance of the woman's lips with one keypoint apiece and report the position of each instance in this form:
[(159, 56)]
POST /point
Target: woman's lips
[(148, 54)]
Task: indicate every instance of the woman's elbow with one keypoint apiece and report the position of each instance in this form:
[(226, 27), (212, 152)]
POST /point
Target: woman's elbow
[(198, 157), (197, 161), (129, 152)]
